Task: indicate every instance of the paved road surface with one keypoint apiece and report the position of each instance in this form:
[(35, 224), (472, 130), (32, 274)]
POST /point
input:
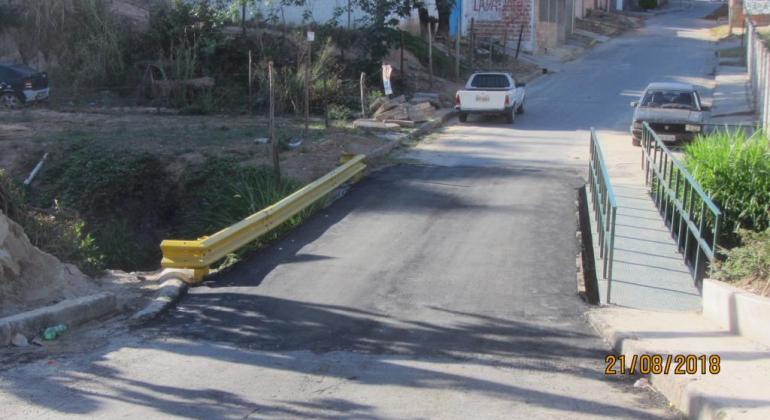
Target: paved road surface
[(440, 287)]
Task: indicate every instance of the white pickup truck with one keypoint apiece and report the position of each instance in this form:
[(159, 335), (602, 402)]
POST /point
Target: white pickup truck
[(491, 93)]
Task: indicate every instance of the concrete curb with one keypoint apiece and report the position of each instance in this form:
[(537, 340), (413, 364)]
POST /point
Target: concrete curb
[(738, 391), (70, 312), (432, 125), (737, 311), (587, 282), (169, 294), (673, 387)]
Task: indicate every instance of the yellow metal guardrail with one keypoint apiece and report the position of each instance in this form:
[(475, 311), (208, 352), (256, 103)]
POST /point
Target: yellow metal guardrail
[(200, 254)]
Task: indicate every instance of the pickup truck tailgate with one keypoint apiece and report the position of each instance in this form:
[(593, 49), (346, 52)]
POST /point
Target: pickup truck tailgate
[(471, 100)]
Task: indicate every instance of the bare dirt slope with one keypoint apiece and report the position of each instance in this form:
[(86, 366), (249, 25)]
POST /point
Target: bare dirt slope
[(29, 277)]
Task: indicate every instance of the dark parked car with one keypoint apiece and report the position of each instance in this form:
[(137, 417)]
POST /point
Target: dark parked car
[(673, 110), (20, 84)]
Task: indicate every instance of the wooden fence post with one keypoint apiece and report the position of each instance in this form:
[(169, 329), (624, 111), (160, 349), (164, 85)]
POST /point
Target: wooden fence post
[(271, 123), (430, 56), (251, 90), (458, 34), (472, 45), (361, 83)]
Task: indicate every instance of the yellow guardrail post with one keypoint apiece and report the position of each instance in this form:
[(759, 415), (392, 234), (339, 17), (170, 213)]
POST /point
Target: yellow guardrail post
[(200, 254)]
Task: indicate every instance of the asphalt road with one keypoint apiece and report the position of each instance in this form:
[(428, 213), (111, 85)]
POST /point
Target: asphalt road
[(442, 286)]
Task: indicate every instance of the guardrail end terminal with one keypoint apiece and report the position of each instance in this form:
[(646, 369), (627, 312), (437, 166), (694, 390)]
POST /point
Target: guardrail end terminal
[(199, 274), (346, 157)]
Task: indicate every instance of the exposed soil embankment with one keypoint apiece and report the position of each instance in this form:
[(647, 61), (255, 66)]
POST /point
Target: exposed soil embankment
[(29, 277)]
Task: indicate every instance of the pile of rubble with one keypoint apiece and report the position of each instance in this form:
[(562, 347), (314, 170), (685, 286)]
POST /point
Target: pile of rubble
[(399, 112)]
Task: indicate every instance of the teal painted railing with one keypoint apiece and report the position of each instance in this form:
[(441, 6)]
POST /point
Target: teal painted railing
[(605, 209), (687, 210)]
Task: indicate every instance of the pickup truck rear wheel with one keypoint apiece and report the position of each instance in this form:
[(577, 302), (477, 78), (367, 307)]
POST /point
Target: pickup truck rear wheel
[(463, 116), (510, 117), (520, 109)]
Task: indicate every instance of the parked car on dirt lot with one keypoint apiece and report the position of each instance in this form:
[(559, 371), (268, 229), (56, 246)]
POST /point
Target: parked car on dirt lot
[(673, 110), (20, 84), (491, 93)]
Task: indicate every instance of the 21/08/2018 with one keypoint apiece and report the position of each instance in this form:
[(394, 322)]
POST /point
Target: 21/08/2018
[(656, 364)]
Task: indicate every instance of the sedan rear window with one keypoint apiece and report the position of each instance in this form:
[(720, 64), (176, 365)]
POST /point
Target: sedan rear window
[(669, 99), (493, 81)]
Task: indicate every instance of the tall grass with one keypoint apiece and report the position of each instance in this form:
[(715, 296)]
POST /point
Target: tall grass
[(750, 262), (225, 193), (734, 169)]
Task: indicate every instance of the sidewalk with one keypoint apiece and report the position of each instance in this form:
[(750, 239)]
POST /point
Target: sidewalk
[(732, 103), (740, 389)]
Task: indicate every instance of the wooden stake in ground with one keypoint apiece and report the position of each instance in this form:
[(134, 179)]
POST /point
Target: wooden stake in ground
[(491, 49), (307, 84), (430, 56), (251, 91), (271, 123), (458, 34), (403, 73), (243, 18), (518, 44), (363, 107), (326, 104), (472, 45), (505, 47)]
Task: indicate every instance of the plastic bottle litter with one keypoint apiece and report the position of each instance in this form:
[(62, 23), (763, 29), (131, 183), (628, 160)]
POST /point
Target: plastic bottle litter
[(51, 333)]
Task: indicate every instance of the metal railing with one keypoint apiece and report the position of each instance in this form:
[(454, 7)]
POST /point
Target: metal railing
[(200, 254), (605, 209), (687, 211)]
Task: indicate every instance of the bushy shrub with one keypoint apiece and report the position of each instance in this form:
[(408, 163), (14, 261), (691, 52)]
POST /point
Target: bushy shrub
[(750, 262), (735, 171), (84, 38), (119, 194), (340, 112), (224, 193), (57, 231), (648, 4)]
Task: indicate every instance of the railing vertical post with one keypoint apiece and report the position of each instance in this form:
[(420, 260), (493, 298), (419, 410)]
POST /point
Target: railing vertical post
[(611, 254)]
